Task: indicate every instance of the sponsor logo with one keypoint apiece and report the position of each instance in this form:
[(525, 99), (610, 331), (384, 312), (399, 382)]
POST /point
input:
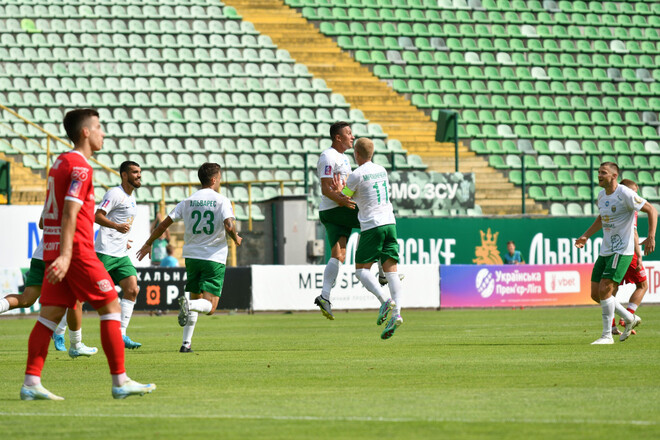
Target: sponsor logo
[(52, 230), (485, 283), (607, 203), (79, 173), (105, 285), (567, 281), (74, 188), (52, 246), (153, 295)]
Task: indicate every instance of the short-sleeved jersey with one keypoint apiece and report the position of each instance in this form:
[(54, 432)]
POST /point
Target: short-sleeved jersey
[(617, 214), (70, 179), (119, 208), (332, 162), (203, 215), (370, 189)]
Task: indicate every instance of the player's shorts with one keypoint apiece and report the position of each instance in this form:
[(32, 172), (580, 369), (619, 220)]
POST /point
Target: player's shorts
[(613, 267), (35, 275), (87, 281), (118, 267), (377, 244), (339, 222), (205, 276), (633, 276)]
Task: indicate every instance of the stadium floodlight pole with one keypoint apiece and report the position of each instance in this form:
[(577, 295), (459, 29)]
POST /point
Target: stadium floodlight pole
[(522, 170), (591, 180)]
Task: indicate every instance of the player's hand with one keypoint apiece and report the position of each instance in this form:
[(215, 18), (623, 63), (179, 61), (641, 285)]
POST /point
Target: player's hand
[(143, 252), (238, 240), (649, 245), (580, 242), (58, 269), (128, 244), (123, 227), (338, 183)]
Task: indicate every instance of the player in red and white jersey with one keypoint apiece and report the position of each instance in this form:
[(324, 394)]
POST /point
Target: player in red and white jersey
[(635, 274), (73, 271)]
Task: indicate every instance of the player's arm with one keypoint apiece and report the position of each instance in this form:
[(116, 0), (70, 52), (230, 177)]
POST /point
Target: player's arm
[(595, 227), (146, 247), (101, 218), (58, 269), (230, 229), (328, 190), (649, 242)]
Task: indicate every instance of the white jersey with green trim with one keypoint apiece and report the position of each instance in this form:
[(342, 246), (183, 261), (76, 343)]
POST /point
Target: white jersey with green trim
[(203, 215), (332, 162), (370, 188), (119, 208), (617, 212)]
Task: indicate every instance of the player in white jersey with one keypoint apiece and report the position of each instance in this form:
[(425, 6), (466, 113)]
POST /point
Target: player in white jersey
[(115, 214), (617, 205), (208, 218), (33, 280), (336, 211), (370, 188)]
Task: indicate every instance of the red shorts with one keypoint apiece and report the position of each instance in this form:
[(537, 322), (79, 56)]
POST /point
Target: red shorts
[(87, 281), (634, 276)]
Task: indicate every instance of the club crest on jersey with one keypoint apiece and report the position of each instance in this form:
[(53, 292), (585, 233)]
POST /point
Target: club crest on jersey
[(79, 173), (613, 208), (104, 285), (328, 169), (74, 188)]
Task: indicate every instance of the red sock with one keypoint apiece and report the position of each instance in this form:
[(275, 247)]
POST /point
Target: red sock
[(631, 311), (38, 349), (614, 322), (113, 345)]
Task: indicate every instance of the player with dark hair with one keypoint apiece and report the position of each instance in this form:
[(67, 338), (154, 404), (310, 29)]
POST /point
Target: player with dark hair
[(208, 218), (116, 214), (73, 271), (617, 205)]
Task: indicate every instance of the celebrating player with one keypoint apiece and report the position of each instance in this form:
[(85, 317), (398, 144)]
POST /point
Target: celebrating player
[(115, 214), (73, 270), (369, 187), (617, 205), (208, 219)]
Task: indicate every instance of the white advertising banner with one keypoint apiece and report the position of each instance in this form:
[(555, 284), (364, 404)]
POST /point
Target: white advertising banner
[(295, 287), (20, 234)]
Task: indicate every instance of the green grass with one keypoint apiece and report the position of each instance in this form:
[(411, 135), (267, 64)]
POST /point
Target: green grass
[(450, 374)]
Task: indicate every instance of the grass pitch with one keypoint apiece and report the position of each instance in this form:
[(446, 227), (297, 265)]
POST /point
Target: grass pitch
[(452, 374)]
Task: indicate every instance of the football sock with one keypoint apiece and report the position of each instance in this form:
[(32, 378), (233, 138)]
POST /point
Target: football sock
[(4, 305), (614, 322), (607, 306), (112, 342), (394, 283), (126, 313), (189, 329), (31, 380), (38, 346), (370, 282), (200, 305), (119, 379), (632, 308), (622, 312), (329, 277), (75, 338), (61, 327)]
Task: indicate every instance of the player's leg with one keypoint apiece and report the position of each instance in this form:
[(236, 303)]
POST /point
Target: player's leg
[(368, 251), (91, 282), (38, 343), (22, 300), (596, 277), (130, 290), (76, 346), (58, 335), (614, 272)]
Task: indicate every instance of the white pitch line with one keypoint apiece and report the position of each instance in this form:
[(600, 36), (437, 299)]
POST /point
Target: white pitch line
[(339, 419)]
